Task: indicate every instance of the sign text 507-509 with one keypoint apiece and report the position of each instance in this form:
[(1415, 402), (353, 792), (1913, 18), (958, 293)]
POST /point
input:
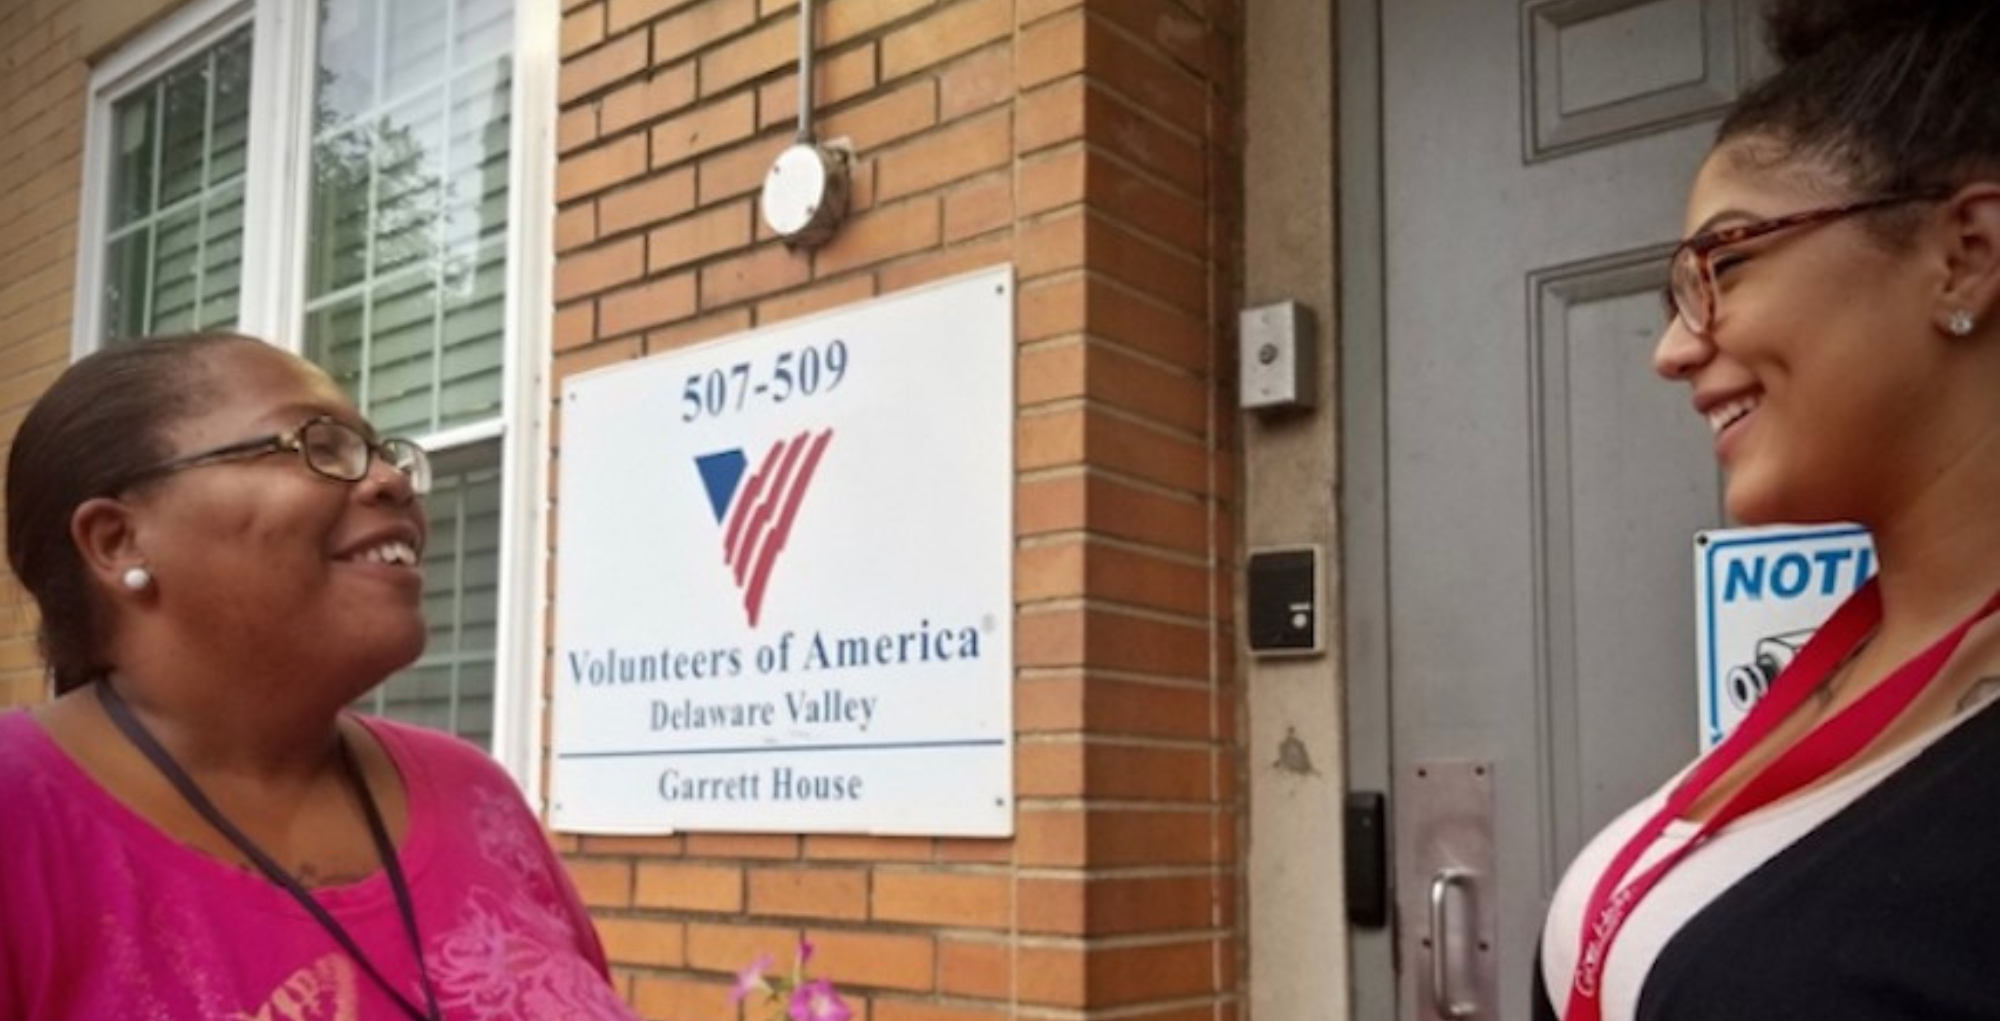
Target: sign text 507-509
[(799, 372)]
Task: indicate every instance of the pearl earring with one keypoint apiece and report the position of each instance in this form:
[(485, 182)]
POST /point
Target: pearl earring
[(137, 578), (1960, 323)]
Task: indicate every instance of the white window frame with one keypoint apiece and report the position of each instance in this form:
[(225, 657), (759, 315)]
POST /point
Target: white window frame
[(277, 176)]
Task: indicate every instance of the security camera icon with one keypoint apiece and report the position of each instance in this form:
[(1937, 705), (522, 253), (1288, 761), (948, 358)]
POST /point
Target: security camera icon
[(1747, 682)]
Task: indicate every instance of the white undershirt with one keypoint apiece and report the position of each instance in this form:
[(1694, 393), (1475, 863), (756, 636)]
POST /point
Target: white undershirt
[(1729, 854)]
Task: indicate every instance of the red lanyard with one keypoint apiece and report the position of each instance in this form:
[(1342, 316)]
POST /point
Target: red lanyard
[(1812, 757)]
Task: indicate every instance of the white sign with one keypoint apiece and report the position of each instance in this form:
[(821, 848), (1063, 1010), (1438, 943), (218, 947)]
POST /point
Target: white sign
[(1759, 594), (785, 587)]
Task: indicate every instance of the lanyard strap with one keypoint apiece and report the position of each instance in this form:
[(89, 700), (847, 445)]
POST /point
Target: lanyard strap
[(121, 714), (1821, 751)]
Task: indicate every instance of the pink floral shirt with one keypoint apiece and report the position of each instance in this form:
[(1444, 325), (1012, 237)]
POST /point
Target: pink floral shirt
[(105, 918)]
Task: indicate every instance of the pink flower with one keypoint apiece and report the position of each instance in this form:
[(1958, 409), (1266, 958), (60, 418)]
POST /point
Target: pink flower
[(751, 980), (805, 951), (817, 1001)]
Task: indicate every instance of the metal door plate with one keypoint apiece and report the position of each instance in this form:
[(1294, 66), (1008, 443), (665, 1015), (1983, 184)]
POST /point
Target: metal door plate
[(1446, 870)]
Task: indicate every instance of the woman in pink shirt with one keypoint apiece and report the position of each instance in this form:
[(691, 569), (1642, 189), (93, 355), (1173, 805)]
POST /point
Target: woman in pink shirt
[(225, 557)]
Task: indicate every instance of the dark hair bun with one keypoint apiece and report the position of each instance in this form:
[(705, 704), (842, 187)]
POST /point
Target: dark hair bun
[(1797, 29)]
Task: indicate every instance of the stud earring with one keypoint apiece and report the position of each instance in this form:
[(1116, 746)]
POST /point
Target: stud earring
[(137, 578), (1960, 323)]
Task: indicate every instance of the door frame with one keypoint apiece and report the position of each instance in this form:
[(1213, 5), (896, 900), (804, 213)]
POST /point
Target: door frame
[(1360, 258)]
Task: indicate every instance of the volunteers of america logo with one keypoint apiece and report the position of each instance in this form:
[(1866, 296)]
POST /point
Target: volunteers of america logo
[(756, 514)]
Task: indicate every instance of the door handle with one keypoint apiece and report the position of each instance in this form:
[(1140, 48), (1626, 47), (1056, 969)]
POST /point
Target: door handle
[(1446, 974)]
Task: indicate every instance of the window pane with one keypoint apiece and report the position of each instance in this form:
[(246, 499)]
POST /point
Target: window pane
[(132, 172), (347, 45), (416, 55), (173, 254), (410, 204), (451, 687)]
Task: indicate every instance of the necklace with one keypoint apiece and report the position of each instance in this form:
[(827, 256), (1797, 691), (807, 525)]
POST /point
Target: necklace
[(121, 714)]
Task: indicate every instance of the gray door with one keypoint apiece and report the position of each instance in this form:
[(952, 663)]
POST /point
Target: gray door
[(1530, 486)]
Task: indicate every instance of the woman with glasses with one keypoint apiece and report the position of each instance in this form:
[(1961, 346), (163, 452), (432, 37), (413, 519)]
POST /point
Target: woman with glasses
[(1834, 313), (225, 557)]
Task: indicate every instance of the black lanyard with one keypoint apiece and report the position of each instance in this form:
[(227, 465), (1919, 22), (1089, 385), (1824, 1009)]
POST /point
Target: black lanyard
[(121, 714)]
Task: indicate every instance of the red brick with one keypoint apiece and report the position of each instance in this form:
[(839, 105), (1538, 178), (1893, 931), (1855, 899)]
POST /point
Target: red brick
[(1049, 439), (1050, 115), (768, 846), (1049, 569), (982, 969), (576, 226), (709, 232), (1124, 129), (656, 996), (1133, 838), (1053, 179), (1050, 49), (582, 28), (644, 942), (651, 303), (627, 13), (594, 71), (978, 207), (1121, 975), (684, 887), (731, 947), (699, 28), (1148, 206), (809, 893), (1050, 307), (599, 269), (576, 127), (738, 171), (1135, 577), (708, 127), (836, 847), (881, 959), (575, 325), (769, 49), (840, 291), (1175, 32), (602, 882), (929, 267), (980, 81), (958, 900), (674, 337), (647, 99), (836, 79), (960, 26), (1052, 244), (594, 170), (842, 21), (1148, 79), (1055, 974), (953, 152), (1147, 325), (762, 271), (875, 122), (887, 1009), (654, 199)]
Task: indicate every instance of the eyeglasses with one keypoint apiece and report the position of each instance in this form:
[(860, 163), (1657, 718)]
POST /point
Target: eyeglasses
[(1691, 292), (327, 445)]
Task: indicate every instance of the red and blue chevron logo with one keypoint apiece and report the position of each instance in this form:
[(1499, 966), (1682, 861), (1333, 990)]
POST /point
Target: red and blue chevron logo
[(756, 513)]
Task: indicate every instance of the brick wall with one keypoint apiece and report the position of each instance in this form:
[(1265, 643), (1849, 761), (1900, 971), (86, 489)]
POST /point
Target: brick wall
[(1091, 143), (42, 101)]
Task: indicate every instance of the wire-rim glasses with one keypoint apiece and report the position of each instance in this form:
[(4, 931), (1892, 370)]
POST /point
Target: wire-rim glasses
[(1691, 293), (328, 446)]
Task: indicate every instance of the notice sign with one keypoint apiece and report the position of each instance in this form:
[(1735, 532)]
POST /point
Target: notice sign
[(785, 586), (1759, 594)]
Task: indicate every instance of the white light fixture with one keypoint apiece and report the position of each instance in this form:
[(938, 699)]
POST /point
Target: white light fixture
[(805, 194)]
